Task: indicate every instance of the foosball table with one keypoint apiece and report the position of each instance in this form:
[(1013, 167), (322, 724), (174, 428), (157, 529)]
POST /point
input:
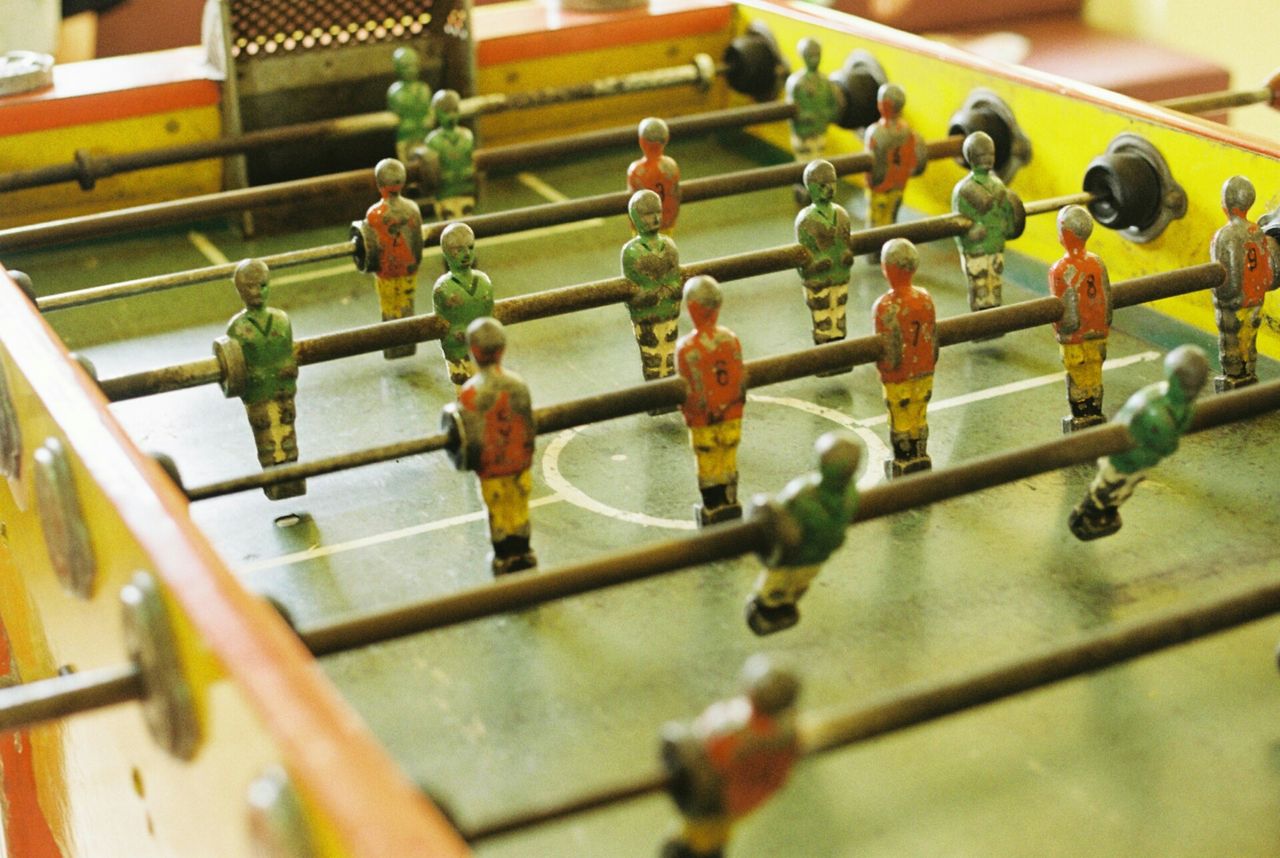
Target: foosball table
[(195, 666)]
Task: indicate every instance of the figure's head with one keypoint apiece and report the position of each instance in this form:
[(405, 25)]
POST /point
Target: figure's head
[(772, 691), (899, 260), (1187, 369), (251, 282), (838, 457), (890, 100), (702, 296), (810, 51), (458, 244), (445, 106), (1075, 225), (979, 151), (390, 176), (654, 135), (645, 209), (406, 63), (1237, 196), (486, 340), (820, 180)]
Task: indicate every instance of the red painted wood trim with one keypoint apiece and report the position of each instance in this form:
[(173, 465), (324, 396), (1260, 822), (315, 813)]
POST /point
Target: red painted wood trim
[(505, 35), (26, 829), (44, 115)]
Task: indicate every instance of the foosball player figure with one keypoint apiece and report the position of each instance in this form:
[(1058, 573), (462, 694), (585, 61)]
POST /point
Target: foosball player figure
[(997, 216), (258, 365), (451, 155), (817, 103), (651, 263), (657, 171), (806, 522), (731, 759), (822, 228), (1080, 279), (460, 297), (710, 361), (410, 100), (491, 431), (1252, 260), (897, 155), (389, 246), (906, 324), (1156, 417)]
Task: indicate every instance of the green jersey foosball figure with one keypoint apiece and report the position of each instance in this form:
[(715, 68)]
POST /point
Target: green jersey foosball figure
[(997, 216), (806, 522), (731, 759), (822, 228), (1156, 417), (258, 365), (651, 262), (450, 158), (410, 100), (460, 297)]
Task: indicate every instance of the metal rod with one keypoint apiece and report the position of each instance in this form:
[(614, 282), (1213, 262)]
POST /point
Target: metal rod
[(320, 188), (761, 372), (838, 728), (700, 71), (497, 223), (728, 541), (58, 697), (566, 299), (32, 703), (86, 168), (1050, 204), (1209, 102)]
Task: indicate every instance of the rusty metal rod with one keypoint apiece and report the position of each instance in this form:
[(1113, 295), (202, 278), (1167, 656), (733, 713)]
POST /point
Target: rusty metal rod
[(86, 168), (1211, 101), (641, 398), (63, 696), (321, 188), (497, 223), (566, 299), (841, 727), (723, 542), (59, 696)]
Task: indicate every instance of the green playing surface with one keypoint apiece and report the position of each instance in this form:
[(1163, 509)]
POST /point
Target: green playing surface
[(1174, 754)]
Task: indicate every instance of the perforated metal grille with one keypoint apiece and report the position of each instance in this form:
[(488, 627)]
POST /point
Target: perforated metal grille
[(265, 27)]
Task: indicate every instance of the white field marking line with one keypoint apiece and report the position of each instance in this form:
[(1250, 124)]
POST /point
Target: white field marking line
[(1016, 387), (876, 449), (550, 194), (376, 539), (566, 491), (207, 248), (574, 495)]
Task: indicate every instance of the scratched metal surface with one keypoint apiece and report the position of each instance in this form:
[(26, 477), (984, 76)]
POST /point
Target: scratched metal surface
[(1176, 754)]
